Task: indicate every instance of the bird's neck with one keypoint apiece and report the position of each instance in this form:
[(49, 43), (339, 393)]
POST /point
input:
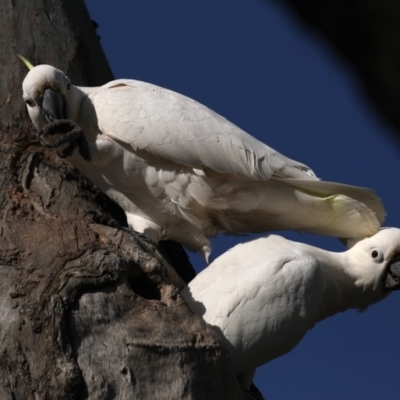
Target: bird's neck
[(342, 290), (76, 96)]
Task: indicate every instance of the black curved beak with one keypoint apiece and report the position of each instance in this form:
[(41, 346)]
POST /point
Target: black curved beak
[(392, 279), (53, 106)]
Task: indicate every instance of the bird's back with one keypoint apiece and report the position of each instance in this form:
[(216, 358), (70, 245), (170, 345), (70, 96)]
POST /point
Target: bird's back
[(263, 296)]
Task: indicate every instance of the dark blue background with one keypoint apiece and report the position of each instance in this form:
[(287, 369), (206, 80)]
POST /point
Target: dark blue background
[(252, 63)]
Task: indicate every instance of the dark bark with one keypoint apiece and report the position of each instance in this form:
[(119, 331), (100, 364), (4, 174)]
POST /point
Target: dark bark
[(366, 34), (87, 311)]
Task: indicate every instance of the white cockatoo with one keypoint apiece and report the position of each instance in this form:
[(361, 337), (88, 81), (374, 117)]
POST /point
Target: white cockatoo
[(263, 296), (181, 171)]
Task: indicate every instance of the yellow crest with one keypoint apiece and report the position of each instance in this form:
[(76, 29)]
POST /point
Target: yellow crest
[(25, 61)]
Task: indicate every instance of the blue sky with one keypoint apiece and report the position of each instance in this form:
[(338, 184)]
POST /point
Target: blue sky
[(251, 62)]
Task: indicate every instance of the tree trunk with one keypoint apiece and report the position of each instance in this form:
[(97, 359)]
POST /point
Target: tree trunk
[(87, 310)]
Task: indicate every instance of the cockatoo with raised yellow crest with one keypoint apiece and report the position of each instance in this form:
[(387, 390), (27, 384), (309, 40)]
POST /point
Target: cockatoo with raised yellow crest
[(180, 171)]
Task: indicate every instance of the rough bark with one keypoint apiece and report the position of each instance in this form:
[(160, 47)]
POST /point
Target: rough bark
[(87, 311), (366, 34)]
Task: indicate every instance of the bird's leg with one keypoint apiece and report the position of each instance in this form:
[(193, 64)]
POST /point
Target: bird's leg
[(99, 218), (71, 134), (144, 238)]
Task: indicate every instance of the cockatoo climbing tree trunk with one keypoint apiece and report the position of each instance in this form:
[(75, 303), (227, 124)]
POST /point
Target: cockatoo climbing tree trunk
[(86, 310)]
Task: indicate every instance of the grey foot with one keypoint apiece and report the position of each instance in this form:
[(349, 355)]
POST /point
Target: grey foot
[(70, 133)]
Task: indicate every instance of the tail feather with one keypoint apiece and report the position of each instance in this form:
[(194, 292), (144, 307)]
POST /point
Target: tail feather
[(326, 208), (349, 218), (326, 189)]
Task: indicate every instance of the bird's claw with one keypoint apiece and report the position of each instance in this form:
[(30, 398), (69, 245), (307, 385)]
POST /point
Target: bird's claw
[(143, 238), (99, 218), (65, 127), (71, 134)]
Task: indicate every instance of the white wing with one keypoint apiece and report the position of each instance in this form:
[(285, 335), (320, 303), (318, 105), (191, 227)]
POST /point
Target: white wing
[(169, 125)]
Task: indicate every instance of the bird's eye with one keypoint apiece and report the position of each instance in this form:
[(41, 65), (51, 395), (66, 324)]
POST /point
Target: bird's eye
[(376, 255), (29, 103), (68, 86)]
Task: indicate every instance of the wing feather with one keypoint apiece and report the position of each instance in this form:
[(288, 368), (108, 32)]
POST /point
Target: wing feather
[(169, 125)]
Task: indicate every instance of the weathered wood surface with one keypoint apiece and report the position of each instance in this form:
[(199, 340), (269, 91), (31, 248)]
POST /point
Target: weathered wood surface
[(86, 311)]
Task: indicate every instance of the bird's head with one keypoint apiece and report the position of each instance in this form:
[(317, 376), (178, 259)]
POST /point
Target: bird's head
[(46, 91), (375, 262)]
